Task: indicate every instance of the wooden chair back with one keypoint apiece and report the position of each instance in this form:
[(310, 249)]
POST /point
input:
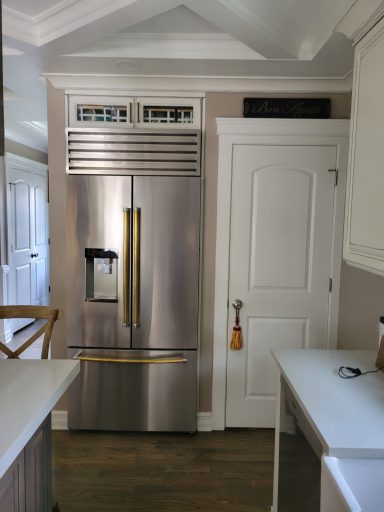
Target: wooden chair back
[(38, 312)]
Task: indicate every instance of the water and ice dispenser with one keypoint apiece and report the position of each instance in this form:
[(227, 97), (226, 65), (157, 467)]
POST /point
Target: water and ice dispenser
[(101, 275)]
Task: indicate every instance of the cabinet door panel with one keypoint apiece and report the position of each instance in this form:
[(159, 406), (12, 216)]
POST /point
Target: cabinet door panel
[(12, 492), (168, 113), (100, 111), (368, 176), (364, 236), (38, 471)]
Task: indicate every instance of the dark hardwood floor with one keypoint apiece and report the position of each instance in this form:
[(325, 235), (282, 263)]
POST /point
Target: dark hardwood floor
[(228, 471)]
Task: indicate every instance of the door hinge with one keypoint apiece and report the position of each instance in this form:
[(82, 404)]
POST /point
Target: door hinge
[(49, 288), (49, 241), (336, 175), (330, 284)]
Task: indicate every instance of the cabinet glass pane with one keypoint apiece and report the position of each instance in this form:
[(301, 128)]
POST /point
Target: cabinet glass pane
[(102, 113), (167, 114)]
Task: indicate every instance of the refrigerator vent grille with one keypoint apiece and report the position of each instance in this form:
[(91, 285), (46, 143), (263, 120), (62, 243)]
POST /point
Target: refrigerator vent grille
[(122, 151)]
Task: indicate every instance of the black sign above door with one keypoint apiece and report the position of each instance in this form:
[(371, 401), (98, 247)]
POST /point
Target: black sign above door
[(304, 108)]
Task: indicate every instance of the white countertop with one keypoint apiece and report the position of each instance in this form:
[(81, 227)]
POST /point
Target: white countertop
[(29, 389), (348, 415)]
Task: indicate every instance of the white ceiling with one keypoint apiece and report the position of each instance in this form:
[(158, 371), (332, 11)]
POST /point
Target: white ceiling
[(203, 38)]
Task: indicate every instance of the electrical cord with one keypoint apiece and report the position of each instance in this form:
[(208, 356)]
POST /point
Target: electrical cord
[(346, 372)]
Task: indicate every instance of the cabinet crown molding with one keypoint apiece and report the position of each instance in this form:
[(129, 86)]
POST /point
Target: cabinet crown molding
[(359, 20)]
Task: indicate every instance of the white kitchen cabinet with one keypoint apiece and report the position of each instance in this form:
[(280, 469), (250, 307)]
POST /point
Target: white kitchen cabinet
[(364, 219), (134, 112)]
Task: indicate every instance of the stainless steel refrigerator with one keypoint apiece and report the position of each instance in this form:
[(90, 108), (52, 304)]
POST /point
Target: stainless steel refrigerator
[(132, 280)]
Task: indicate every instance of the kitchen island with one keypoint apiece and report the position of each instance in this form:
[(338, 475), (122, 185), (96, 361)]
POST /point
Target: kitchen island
[(323, 417), (29, 389)]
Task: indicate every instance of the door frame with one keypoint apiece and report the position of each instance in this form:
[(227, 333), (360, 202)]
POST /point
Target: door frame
[(232, 132)]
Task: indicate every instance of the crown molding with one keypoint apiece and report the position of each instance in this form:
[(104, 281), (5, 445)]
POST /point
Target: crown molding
[(362, 16), (53, 11), (37, 127), (9, 95), (19, 26), (324, 29), (56, 21), (39, 145), (200, 84), (9, 51), (170, 46), (26, 163), (260, 21)]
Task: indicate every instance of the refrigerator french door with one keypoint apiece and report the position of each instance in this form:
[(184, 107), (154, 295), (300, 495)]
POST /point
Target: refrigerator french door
[(132, 301)]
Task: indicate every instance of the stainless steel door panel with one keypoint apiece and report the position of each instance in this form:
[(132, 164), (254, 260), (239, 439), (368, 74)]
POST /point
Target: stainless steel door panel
[(95, 219), (134, 390), (168, 212)]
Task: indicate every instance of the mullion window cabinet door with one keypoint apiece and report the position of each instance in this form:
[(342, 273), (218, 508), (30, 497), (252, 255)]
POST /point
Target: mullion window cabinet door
[(176, 113), (100, 111)]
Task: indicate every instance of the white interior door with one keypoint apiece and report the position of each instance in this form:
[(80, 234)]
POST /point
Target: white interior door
[(282, 215), (28, 251)]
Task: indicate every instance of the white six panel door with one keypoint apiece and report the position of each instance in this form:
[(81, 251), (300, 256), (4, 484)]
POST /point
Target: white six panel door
[(282, 210)]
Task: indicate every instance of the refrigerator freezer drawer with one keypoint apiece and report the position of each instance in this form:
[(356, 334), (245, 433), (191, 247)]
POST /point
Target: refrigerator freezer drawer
[(134, 390)]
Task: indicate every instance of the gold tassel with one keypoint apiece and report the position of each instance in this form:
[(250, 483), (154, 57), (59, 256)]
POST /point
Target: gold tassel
[(237, 338)]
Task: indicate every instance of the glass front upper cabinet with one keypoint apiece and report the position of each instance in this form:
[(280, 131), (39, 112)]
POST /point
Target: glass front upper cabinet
[(131, 112), (100, 111), (168, 113)]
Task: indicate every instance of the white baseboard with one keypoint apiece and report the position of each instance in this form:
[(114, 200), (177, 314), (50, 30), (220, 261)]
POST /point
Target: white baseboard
[(204, 422), (60, 421)]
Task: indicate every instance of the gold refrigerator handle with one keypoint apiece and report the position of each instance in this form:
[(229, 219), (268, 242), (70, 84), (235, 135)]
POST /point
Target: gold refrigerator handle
[(126, 274), (136, 268), (163, 360)]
